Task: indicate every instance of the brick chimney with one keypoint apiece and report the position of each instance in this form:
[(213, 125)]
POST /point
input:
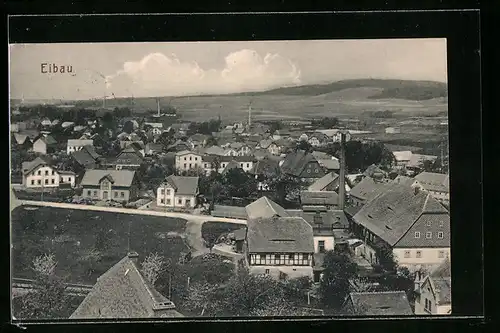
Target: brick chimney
[(342, 171), (134, 256)]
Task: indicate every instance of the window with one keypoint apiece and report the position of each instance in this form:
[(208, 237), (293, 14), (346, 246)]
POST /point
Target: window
[(39, 172), (196, 158), (162, 191), (305, 259), (267, 271), (53, 181), (428, 305), (419, 254), (185, 158), (441, 254), (407, 254), (168, 191), (89, 193), (262, 259), (308, 170), (206, 165), (95, 193), (46, 172), (276, 259), (428, 235), (441, 223), (122, 194), (32, 182), (162, 201), (53, 172), (321, 246), (46, 181), (116, 194), (188, 202), (428, 223), (316, 170), (185, 165), (168, 201), (179, 201), (440, 235), (417, 234)]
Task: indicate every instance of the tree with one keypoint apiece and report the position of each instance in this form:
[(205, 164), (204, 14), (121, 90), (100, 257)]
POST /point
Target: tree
[(304, 145), (48, 298), (152, 267), (239, 184), (128, 127), (335, 285), (274, 126), (284, 185), (211, 141)]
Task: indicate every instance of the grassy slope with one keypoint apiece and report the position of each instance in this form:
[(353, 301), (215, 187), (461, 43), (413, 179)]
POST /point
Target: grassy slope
[(33, 231)]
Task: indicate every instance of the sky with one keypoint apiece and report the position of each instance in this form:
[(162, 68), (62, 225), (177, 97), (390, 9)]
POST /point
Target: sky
[(177, 69)]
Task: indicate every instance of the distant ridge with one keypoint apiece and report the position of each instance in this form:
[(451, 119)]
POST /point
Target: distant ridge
[(401, 89)]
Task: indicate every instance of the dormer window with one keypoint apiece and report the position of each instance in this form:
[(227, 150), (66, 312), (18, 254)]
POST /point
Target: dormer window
[(428, 235), (417, 234)]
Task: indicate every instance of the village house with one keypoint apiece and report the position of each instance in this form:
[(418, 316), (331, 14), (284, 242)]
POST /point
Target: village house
[(367, 189), (22, 141), (40, 173), (375, 172), (75, 145), (337, 135), (282, 247), (328, 199), (118, 185), (433, 291), (317, 139), (329, 182), (129, 158), (402, 158), (46, 122), (177, 191), (179, 146), (153, 148), (187, 160), (209, 163), (86, 158), (410, 222), (301, 164), (44, 145), (384, 303), (437, 184), (123, 292), (417, 161)]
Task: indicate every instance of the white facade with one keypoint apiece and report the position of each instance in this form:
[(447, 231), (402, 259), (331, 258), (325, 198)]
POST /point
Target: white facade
[(415, 258), (230, 152), (39, 146), (323, 243), (428, 303), (188, 161), (207, 166), (314, 141), (47, 176), (166, 197), (291, 272), (244, 151)]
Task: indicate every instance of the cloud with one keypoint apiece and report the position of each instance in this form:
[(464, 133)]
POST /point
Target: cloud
[(160, 74)]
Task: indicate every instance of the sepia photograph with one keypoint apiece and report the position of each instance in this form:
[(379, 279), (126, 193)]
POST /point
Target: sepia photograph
[(290, 178)]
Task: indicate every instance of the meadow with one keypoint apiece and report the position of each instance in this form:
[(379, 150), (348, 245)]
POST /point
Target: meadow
[(87, 243)]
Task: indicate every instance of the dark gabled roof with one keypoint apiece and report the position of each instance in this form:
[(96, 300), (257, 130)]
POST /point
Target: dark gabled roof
[(264, 208), (319, 198), (393, 213), (404, 180), (296, 161), (122, 292), (28, 167), (432, 181), (386, 303), (265, 166), (368, 188), (183, 185), (322, 183), (280, 235), (351, 211), (329, 218), (229, 211)]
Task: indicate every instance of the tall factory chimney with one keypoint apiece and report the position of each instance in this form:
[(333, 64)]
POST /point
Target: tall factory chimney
[(158, 106), (250, 114), (342, 171)]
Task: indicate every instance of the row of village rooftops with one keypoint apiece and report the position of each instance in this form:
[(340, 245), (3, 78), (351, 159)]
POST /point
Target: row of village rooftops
[(289, 243)]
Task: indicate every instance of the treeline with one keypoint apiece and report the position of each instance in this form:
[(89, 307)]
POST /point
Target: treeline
[(416, 93), (206, 127), (326, 122)]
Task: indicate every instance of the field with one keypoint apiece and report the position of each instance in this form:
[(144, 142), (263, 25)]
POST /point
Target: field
[(88, 243), (344, 98)]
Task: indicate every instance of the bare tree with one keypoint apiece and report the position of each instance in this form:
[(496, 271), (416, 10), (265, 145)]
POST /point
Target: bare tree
[(45, 265), (152, 267)]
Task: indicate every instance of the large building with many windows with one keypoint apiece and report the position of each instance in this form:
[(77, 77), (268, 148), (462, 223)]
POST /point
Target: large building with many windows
[(117, 185), (177, 191)]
